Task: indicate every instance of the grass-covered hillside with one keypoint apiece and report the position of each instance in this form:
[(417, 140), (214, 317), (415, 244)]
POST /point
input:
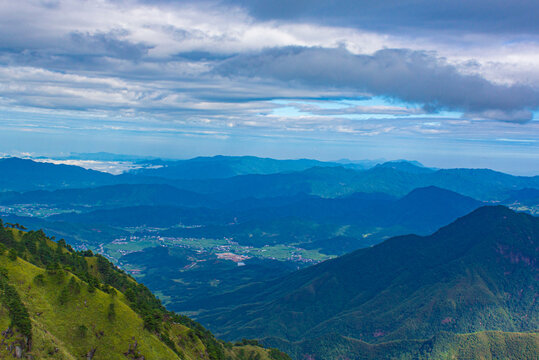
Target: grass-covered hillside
[(56, 303)]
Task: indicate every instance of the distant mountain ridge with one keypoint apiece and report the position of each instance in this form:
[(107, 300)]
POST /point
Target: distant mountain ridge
[(479, 273), (111, 196), (219, 167), (406, 166), (25, 174), (324, 179), (481, 184)]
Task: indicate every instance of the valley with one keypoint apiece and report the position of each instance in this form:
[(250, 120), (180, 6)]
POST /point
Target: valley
[(304, 252), (269, 180), (209, 266)]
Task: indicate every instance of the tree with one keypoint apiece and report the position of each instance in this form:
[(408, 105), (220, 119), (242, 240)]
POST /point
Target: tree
[(17, 311), (82, 331), (93, 283), (12, 255), (63, 297), (111, 314), (3, 274), (53, 268), (91, 288), (74, 286), (152, 322), (277, 354)]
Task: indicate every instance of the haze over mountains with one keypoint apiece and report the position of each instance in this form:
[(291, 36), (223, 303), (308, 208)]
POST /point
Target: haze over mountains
[(395, 178), (365, 199), (219, 167), (372, 204), (268, 249)]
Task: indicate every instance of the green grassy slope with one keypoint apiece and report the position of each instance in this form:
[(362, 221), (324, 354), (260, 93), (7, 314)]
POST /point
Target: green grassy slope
[(59, 304), (65, 322)]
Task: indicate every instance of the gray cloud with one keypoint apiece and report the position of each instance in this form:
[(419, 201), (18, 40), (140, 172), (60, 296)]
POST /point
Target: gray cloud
[(358, 110), (412, 76), (198, 63), (497, 16), (517, 116), (105, 44)]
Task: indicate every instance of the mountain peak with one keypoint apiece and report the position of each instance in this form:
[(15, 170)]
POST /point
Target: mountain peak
[(432, 189), (492, 215), (405, 166), (457, 279)]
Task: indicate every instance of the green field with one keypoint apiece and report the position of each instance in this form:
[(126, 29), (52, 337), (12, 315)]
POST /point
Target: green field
[(115, 250)]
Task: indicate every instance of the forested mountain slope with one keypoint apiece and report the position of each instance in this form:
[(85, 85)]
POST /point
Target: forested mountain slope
[(479, 273)]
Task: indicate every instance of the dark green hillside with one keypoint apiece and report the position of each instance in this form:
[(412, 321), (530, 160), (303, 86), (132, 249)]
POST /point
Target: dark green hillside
[(493, 345), (171, 272), (425, 210), (110, 196), (524, 196), (74, 233), (158, 216), (422, 211), (478, 273), (56, 303), (481, 184)]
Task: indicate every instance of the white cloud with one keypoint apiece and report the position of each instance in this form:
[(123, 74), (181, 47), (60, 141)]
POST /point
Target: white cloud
[(130, 66)]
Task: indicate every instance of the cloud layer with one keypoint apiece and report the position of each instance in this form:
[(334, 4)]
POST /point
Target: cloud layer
[(498, 16), (411, 76), (261, 69)]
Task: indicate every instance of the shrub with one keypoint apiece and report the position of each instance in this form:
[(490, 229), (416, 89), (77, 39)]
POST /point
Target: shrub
[(39, 280)]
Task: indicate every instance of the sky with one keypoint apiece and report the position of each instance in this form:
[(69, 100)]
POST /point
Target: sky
[(447, 83)]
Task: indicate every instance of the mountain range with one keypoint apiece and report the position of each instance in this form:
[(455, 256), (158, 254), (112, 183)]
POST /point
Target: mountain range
[(479, 273), (421, 211), (329, 180), (315, 258), (218, 167)]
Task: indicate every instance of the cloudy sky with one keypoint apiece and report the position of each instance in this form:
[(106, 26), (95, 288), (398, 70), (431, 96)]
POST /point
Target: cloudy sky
[(449, 83)]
